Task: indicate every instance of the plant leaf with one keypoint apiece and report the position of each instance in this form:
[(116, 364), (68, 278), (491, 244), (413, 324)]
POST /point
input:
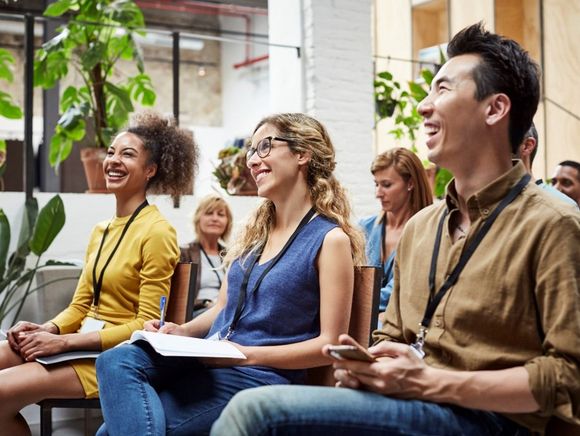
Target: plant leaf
[(7, 107), (58, 8), (48, 225), (28, 221), (60, 149), (93, 55), (6, 59)]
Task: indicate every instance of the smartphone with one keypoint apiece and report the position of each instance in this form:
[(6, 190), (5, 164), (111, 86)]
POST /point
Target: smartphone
[(350, 352)]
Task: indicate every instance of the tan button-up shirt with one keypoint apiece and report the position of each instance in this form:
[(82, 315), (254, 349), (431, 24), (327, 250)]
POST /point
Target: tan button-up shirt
[(517, 302)]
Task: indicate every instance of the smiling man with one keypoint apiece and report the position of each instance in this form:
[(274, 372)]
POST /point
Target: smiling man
[(482, 332), (566, 179)]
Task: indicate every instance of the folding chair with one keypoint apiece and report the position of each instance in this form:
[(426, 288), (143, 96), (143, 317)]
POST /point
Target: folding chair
[(364, 317), (179, 310)]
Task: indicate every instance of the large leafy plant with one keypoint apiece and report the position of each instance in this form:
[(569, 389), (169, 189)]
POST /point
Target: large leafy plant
[(37, 233), (97, 35), (8, 108), (392, 100)]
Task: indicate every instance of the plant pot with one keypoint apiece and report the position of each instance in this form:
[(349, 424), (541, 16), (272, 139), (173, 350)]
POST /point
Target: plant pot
[(92, 159), (244, 185)]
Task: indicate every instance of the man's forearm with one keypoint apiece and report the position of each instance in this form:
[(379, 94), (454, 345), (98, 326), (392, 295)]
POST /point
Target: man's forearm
[(504, 390)]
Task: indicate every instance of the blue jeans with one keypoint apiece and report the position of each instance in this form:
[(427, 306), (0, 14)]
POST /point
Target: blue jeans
[(143, 393), (310, 410)]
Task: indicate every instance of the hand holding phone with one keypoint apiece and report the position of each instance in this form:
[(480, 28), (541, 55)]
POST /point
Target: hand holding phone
[(349, 352)]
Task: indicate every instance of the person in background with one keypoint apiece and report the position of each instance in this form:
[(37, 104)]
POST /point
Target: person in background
[(482, 332), (288, 291), (402, 187), (128, 267), (527, 153), (212, 222), (566, 179)]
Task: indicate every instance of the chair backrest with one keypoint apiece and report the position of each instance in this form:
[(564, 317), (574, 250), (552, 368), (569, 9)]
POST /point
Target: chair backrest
[(364, 317), (181, 296)]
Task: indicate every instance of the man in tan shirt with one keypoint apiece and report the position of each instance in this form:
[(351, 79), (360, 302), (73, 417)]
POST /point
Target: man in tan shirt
[(482, 332)]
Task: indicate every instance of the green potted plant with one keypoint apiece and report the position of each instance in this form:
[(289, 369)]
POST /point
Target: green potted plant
[(232, 172), (37, 232), (8, 108), (97, 35)]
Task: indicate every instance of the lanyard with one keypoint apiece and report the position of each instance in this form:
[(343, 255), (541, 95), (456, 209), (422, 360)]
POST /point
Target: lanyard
[(213, 267), (244, 286), (384, 259), (435, 299), (97, 284)]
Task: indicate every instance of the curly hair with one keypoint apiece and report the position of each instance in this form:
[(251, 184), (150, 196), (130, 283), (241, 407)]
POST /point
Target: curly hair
[(171, 148), (505, 67), (409, 167), (329, 198)]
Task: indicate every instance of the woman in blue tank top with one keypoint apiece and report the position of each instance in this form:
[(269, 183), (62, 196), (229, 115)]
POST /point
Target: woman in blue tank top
[(288, 291)]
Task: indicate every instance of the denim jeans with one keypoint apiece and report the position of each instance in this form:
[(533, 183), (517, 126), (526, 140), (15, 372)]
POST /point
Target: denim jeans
[(310, 410), (143, 393)]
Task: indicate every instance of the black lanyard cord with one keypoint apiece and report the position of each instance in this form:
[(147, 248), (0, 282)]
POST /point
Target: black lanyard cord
[(213, 267), (435, 299), (244, 286), (385, 280), (98, 284)]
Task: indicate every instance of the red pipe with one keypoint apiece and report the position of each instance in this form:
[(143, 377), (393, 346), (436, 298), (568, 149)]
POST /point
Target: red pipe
[(197, 7), (251, 61), (200, 7)]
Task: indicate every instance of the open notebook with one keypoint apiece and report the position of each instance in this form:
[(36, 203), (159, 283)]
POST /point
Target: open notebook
[(166, 345)]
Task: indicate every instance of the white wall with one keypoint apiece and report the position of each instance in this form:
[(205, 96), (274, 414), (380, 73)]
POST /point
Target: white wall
[(84, 211), (339, 88), (286, 72), (245, 92)]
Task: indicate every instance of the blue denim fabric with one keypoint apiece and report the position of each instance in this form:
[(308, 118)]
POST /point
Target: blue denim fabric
[(143, 393), (310, 410), (374, 240)]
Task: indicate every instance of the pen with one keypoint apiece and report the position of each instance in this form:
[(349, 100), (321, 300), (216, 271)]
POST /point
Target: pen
[(162, 308)]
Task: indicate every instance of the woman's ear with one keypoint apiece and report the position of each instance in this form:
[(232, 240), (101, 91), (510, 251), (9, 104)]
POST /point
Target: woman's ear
[(150, 171), (304, 157)]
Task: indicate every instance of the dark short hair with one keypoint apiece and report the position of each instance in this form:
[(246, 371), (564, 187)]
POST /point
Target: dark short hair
[(533, 133), (573, 164), (506, 68)]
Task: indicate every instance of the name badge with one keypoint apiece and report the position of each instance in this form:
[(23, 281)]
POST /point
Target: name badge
[(92, 325)]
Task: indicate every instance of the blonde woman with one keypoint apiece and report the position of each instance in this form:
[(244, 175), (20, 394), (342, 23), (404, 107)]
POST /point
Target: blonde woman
[(288, 291), (212, 222)]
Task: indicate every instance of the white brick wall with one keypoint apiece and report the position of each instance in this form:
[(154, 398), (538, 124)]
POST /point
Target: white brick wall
[(338, 87)]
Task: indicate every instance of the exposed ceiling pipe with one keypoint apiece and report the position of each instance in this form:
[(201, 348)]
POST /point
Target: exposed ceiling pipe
[(251, 61), (201, 8)]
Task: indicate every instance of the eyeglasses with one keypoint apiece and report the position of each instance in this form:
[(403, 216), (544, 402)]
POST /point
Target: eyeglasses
[(264, 147)]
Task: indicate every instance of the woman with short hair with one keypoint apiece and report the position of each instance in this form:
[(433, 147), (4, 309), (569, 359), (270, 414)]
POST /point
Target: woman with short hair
[(212, 222)]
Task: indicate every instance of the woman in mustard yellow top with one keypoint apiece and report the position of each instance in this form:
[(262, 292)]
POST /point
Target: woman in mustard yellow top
[(128, 267)]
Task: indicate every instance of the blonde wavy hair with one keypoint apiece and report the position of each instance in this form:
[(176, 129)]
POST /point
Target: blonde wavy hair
[(328, 196), (208, 204)]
